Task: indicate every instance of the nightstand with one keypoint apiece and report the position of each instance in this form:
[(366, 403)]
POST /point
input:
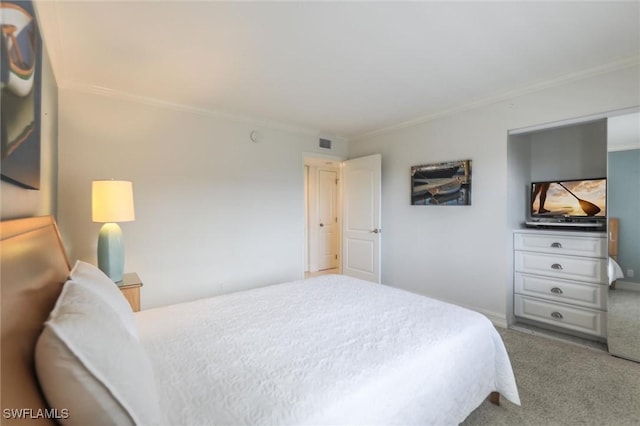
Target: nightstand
[(130, 287)]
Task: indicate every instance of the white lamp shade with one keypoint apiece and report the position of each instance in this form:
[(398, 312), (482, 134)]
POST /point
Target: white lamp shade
[(112, 201)]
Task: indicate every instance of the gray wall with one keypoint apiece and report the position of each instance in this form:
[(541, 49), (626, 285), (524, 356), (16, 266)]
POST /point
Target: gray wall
[(623, 187), (571, 152), (577, 151)]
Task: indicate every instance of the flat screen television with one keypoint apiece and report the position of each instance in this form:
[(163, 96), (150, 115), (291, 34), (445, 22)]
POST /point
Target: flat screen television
[(583, 200)]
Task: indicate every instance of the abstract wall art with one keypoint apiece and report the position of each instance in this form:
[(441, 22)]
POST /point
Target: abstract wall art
[(20, 76)]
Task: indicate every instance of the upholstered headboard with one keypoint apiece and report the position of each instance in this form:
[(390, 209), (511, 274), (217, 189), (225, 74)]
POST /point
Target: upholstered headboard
[(33, 268)]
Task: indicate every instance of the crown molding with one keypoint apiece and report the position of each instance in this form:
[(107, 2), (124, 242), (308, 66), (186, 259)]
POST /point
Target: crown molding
[(266, 123), (620, 64), (159, 103)]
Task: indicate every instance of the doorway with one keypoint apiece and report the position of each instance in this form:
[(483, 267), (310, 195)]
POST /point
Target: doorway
[(322, 216), (342, 216)]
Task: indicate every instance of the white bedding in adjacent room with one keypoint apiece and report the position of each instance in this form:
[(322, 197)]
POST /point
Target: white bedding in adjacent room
[(330, 349), (614, 271)]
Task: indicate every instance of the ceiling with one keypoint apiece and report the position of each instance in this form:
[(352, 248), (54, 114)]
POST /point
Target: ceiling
[(337, 68)]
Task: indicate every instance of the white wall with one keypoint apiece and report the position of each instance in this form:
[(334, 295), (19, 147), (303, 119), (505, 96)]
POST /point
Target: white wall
[(462, 254), (20, 202), (215, 212)]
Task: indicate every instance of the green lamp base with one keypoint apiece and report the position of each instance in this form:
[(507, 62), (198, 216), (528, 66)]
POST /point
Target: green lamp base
[(111, 251)]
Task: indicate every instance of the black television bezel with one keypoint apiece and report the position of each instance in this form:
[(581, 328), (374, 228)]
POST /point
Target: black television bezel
[(566, 217)]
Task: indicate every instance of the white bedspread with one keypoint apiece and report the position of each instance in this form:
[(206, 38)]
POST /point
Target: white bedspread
[(329, 350), (614, 271)]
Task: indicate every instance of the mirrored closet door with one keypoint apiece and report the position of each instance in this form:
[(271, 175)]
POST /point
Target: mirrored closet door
[(623, 205)]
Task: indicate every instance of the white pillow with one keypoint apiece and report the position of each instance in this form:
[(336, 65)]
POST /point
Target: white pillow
[(90, 276), (88, 363)]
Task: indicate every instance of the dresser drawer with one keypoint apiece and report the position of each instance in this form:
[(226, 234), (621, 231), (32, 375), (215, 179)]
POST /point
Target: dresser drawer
[(559, 244), (583, 320), (565, 267), (573, 292)]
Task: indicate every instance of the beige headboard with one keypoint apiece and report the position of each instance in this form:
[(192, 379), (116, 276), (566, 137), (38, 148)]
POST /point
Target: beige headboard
[(33, 268)]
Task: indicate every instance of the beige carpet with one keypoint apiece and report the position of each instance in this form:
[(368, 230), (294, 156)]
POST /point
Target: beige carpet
[(565, 384)]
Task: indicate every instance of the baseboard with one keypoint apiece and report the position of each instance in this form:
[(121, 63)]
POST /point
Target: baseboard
[(497, 319), (534, 330), (627, 285)]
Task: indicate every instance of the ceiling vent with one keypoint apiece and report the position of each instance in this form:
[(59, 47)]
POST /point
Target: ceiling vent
[(325, 143)]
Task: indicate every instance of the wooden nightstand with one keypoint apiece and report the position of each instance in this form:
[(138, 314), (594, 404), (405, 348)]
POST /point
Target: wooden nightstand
[(130, 287)]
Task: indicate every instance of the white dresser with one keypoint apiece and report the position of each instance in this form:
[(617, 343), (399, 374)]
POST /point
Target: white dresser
[(561, 279)]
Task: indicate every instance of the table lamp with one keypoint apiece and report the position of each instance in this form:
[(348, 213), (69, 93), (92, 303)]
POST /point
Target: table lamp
[(111, 202)]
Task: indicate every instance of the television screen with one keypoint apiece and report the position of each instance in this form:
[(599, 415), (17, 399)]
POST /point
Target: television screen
[(569, 198)]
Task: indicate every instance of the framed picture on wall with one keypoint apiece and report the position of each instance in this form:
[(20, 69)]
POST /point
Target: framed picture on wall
[(20, 74), (447, 183)]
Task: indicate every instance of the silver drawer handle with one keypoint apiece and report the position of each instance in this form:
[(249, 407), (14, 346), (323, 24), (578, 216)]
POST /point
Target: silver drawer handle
[(556, 245), (556, 290), (557, 315), (556, 266)]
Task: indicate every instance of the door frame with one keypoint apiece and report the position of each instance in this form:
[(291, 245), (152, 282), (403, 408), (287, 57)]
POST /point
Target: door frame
[(318, 159)]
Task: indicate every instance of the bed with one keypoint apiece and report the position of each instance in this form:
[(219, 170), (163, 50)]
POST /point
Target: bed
[(329, 350)]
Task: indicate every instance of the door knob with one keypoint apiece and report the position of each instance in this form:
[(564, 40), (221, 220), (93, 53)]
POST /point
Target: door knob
[(321, 225), (376, 231)]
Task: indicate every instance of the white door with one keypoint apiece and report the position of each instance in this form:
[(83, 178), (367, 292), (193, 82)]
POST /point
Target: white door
[(361, 220), (327, 219)]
